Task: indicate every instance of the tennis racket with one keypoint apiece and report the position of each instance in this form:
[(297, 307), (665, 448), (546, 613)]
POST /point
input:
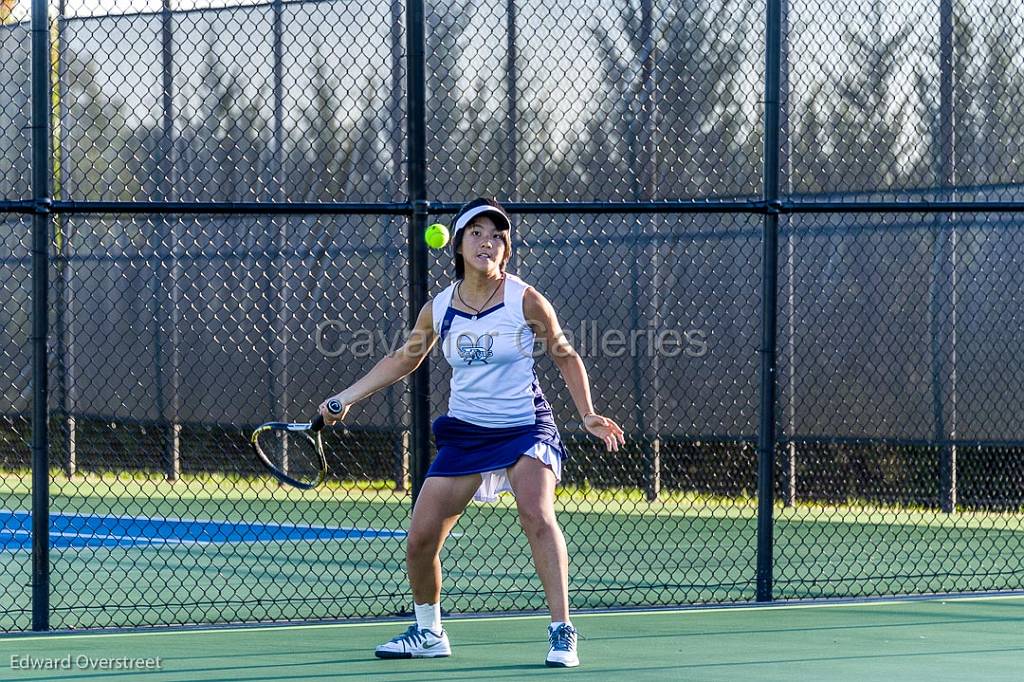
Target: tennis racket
[(293, 452)]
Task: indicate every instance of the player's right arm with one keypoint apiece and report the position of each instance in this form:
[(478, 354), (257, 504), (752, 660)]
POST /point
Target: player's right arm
[(390, 369)]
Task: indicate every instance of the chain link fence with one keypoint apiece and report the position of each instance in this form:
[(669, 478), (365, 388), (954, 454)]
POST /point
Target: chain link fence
[(818, 378)]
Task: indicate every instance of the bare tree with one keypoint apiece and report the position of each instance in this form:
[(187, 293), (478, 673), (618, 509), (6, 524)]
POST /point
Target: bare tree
[(857, 131)]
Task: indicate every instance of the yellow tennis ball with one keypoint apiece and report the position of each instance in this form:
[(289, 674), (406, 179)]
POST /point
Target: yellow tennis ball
[(437, 236)]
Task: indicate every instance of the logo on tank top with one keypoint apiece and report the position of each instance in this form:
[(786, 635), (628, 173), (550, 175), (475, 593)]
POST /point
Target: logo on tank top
[(476, 349)]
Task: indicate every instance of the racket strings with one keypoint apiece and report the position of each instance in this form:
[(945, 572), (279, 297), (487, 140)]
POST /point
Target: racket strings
[(293, 454)]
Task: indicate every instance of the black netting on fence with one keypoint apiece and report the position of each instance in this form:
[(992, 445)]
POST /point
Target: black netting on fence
[(177, 325)]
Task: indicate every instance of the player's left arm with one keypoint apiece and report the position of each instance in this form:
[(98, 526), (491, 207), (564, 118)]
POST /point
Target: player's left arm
[(541, 317)]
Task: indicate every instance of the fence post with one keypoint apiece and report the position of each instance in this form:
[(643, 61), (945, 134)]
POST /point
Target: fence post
[(769, 282), (167, 266), (64, 305), (417, 246), (789, 492), (512, 85), (41, 200), (643, 148), (400, 458), (280, 331), (943, 257), (400, 415), (649, 179)]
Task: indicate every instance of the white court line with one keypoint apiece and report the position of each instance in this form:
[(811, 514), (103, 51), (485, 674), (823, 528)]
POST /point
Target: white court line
[(136, 541), (125, 539), (696, 611), (175, 519), (132, 541)]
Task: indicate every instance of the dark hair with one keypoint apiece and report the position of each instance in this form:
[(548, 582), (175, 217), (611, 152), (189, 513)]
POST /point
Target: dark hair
[(479, 207), (460, 264)]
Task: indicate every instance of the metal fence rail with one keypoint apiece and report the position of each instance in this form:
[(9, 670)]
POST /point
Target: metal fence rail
[(785, 237)]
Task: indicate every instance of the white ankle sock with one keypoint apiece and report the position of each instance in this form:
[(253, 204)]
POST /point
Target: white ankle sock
[(556, 623), (428, 616)]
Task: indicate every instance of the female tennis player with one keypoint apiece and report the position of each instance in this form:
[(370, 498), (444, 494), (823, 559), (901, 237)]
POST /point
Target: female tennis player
[(499, 434)]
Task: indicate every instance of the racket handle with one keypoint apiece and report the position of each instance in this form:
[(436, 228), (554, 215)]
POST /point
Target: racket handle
[(333, 406)]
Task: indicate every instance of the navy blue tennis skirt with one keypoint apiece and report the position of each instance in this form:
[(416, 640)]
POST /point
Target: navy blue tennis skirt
[(464, 448)]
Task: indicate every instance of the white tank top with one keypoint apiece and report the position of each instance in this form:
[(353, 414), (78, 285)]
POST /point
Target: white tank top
[(491, 354)]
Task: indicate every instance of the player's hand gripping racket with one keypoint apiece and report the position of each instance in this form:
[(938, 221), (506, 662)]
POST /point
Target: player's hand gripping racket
[(300, 461)]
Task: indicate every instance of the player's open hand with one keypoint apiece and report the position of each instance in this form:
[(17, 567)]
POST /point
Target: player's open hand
[(331, 418), (605, 429)]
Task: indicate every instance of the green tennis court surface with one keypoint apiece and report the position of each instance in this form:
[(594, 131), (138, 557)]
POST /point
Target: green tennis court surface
[(622, 551), (976, 639)]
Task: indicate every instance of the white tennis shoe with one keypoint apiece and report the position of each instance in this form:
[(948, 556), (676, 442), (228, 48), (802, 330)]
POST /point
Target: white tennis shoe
[(416, 643), (563, 652)]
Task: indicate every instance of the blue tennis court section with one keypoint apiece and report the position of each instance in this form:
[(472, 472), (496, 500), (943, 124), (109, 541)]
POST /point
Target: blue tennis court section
[(83, 530)]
